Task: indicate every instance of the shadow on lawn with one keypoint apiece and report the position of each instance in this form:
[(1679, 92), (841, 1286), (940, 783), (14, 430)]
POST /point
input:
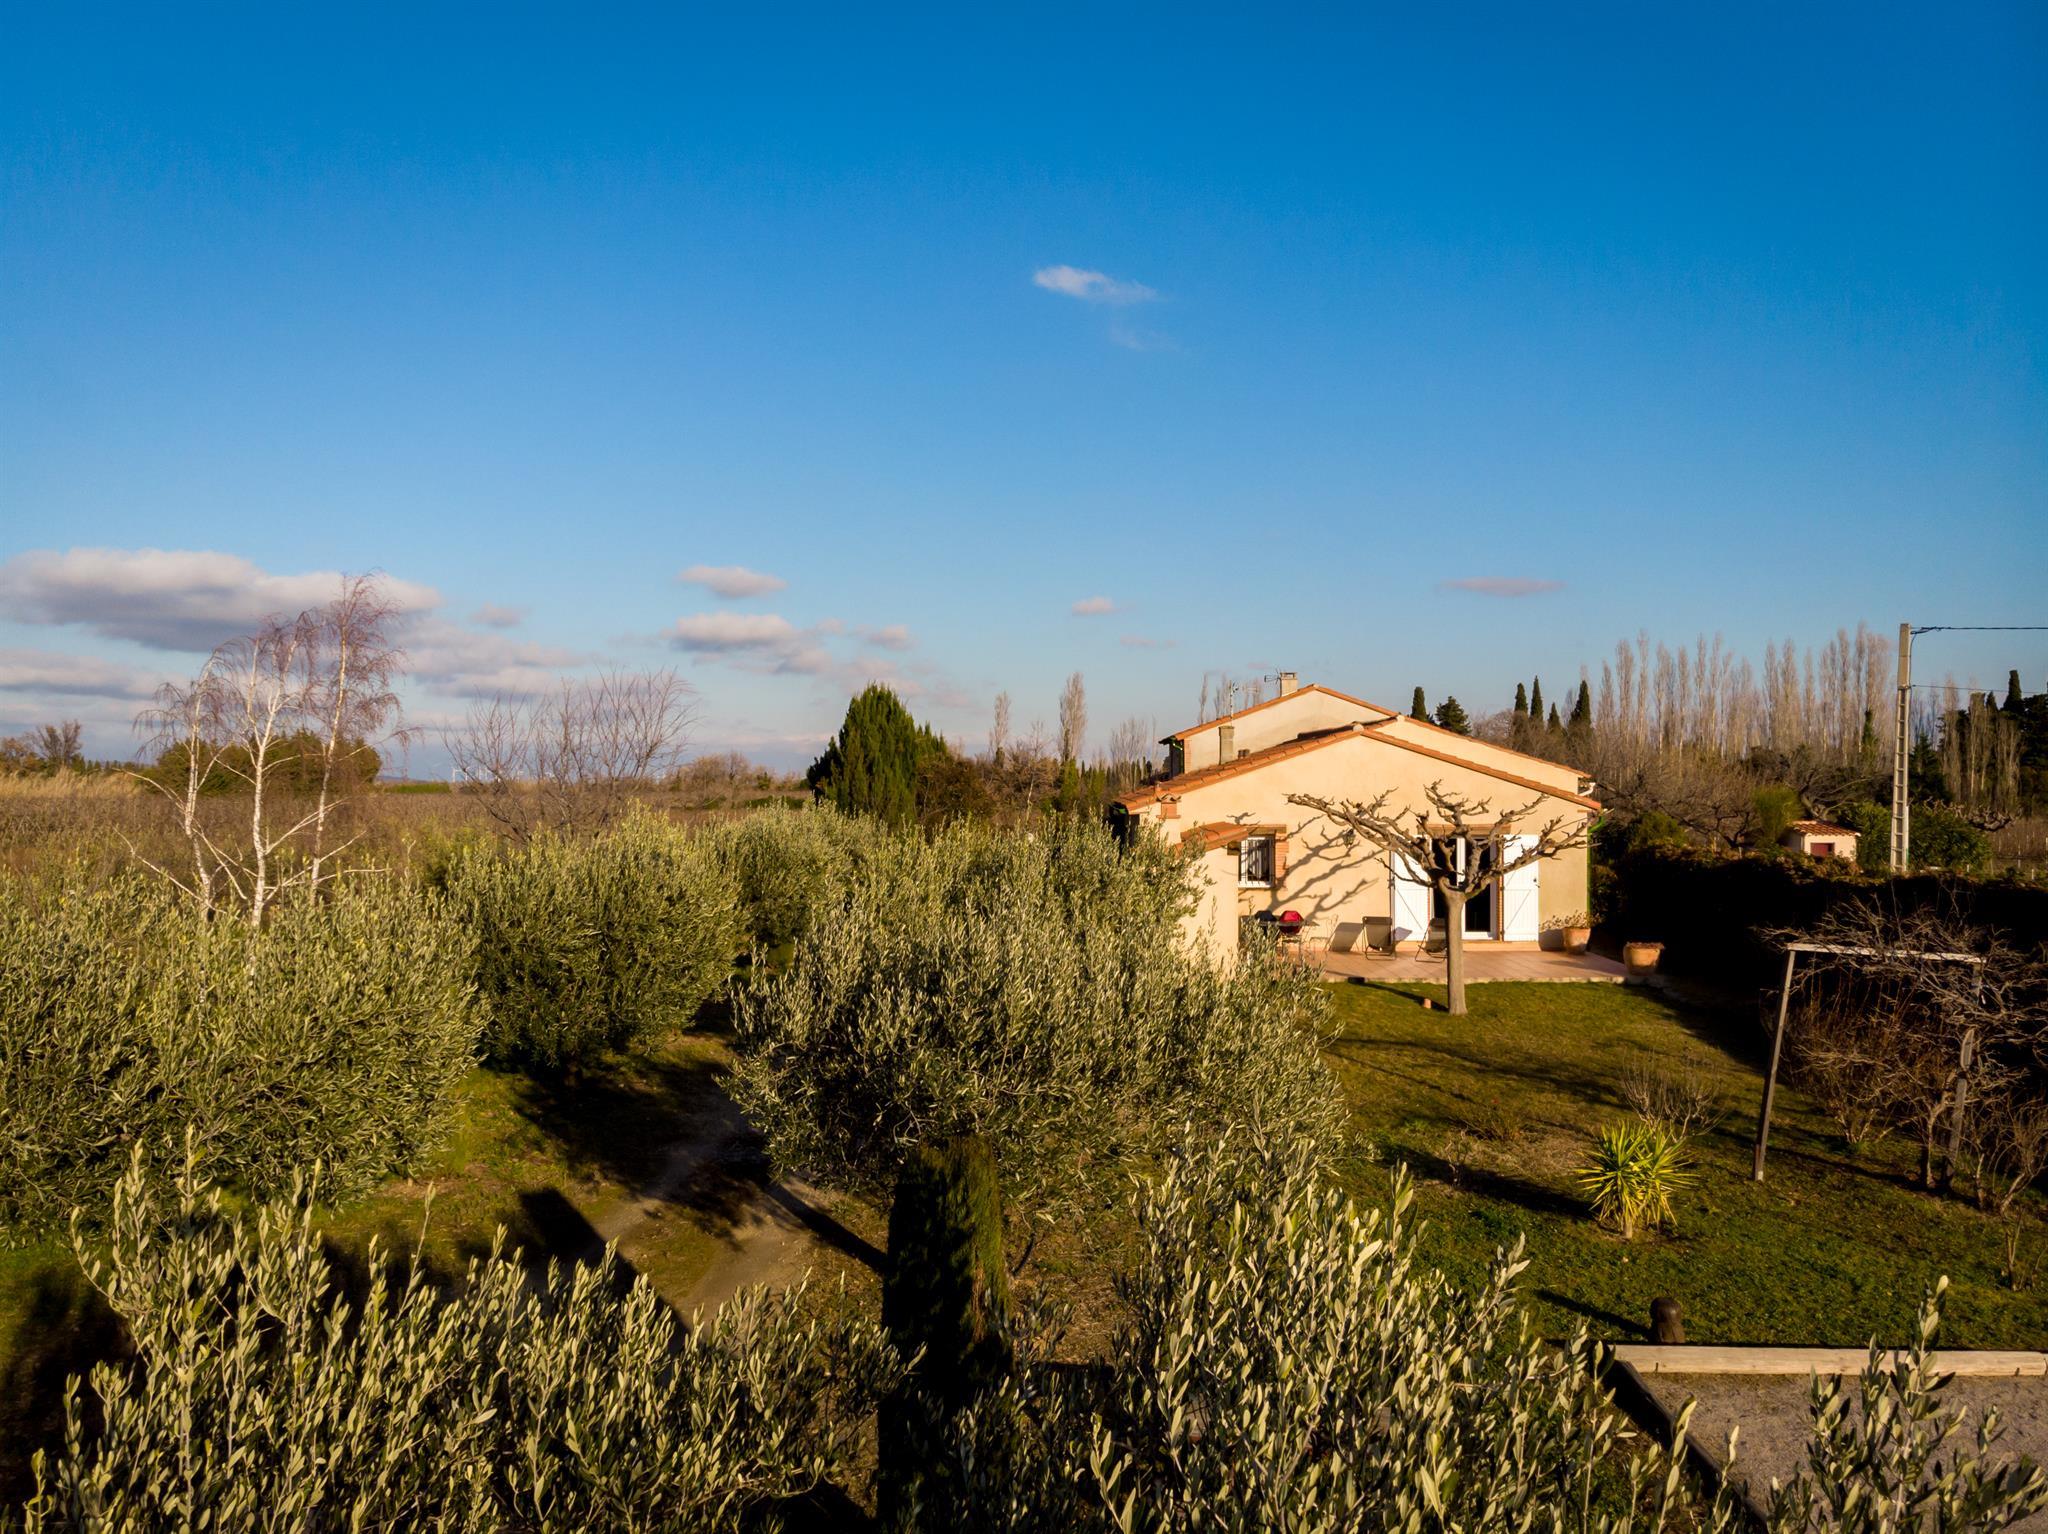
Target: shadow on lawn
[(65, 1328), (1499, 1186), (1617, 1328)]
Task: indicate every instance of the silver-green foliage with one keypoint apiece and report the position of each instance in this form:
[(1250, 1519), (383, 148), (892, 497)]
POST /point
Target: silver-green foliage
[(1035, 990), (337, 1032), (587, 944), (789, 865), (259, 1397), (1887, 1455), (1288, 1363)]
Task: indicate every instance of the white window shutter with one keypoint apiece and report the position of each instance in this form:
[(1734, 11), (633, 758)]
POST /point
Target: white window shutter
[(1518, 913), (1411, 902)]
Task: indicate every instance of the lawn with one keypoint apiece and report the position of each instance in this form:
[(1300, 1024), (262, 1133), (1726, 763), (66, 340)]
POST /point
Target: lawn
[(547, 1164), (1494, 1110)]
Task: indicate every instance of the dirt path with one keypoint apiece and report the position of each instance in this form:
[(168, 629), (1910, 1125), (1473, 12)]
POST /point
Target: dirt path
[(773, 1233)]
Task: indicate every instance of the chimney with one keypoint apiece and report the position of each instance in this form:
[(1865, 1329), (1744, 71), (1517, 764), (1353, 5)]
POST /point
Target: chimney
[(1226, 742), (1288, 682)]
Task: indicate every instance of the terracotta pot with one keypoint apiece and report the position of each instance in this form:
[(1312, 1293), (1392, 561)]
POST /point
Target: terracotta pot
[(1641, 958), (1576, 939)]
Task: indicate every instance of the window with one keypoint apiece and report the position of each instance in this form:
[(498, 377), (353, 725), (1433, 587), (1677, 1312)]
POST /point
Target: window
[(1255, 861), (1823, 849)]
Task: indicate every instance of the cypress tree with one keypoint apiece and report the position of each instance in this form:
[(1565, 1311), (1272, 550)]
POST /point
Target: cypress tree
[(1419, 709), (1554, 726), (2015, 700), (1582, 708), (1521, 701), (1536, 699), (948, 1294), (871, 767), (1451, 715)]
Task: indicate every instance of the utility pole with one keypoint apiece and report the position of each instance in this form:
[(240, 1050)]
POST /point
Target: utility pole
[(1902, 753)]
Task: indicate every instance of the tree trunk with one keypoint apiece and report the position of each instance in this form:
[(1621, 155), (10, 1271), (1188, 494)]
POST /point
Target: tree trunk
[(1454, 949)]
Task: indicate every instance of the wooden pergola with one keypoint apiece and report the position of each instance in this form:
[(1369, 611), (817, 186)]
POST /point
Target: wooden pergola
[(1839, 950)]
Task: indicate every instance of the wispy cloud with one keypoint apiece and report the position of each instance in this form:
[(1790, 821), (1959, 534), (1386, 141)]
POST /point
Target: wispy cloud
[(493, 616), (732, 580), (891, 636), (1500, 585), (49, 674), (1093, 607), (755, 641), (1141, 642), (169, 599), (463, 663), (1091, 287)]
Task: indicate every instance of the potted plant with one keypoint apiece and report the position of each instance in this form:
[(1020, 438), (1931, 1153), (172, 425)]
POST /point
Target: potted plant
[(1641, 958), (1574, 932)]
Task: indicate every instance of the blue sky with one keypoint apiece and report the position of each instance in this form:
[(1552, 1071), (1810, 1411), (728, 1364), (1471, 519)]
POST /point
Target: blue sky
[(1267, 332)]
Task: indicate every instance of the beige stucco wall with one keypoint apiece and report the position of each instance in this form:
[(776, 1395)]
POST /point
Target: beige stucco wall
[(1329, 875), (1299, 713), (1844, 842), (1213, 926), (1307, 711), (1506, 759)]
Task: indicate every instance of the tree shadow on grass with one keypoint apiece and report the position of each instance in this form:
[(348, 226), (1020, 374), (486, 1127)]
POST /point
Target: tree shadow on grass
[(1619, 1327), (66, 1326), (1499, 1186)]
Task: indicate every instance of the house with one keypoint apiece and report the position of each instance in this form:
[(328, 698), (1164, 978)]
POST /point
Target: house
[(1820, 839), (1225, 798)]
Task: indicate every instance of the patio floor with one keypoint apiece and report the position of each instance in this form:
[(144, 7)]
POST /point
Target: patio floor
[(1481, 964)]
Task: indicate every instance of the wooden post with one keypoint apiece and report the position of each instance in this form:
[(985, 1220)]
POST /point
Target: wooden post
[(1966, 1060), (1763, 1123), (1667, 1326)]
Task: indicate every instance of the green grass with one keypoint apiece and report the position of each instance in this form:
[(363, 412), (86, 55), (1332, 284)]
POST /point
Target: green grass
[(1495, 1110), (546, 1163)]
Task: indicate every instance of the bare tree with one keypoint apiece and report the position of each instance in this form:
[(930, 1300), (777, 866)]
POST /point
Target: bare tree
[(1433, 844), (59, 745), (572, 758), (177, 726), (999, 728), (1921, 1020), (287, 712), (1073, 719), (1130, 753), (349, 665)]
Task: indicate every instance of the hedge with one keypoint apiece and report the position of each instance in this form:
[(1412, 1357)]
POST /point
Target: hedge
[(1709, 910)]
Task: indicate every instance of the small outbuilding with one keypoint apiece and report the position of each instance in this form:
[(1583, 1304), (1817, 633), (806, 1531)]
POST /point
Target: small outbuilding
[(1820, 839)]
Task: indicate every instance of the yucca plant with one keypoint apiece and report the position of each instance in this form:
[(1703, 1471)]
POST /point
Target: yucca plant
[(1635, 1169)]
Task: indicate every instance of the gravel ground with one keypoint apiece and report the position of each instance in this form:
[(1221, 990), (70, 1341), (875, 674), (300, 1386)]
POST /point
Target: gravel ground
[(1772, 1411)]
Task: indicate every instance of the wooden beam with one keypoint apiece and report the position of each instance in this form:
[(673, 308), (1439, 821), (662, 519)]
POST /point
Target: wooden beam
[(1763, 1118)]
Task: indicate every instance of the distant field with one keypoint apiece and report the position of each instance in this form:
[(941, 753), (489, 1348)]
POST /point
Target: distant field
[(1493, 1111)]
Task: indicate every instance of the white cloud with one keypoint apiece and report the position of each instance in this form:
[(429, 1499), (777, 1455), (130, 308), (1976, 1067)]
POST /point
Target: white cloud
[(45, 672), (492, 616), (892, 636), (1093, 607), (169, 599), (463, 663), (732, 580), (733, 631), (1091, 287), (1500, 585)]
